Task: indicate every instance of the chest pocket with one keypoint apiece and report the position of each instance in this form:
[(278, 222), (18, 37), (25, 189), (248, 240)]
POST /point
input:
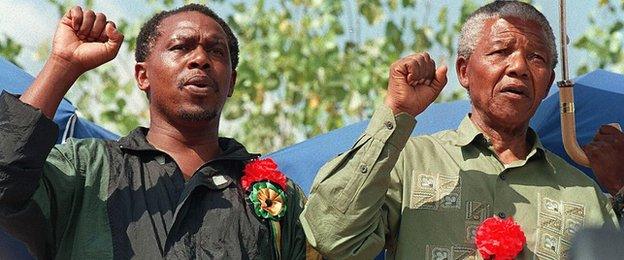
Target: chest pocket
[(558, 221), (438, 198), (435, 192)]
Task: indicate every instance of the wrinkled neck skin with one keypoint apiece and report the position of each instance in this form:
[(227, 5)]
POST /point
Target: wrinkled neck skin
[(508, 141), (189, 143)]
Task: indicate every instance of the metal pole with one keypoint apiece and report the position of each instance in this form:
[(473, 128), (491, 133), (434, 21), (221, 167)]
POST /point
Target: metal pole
[(563, 40)]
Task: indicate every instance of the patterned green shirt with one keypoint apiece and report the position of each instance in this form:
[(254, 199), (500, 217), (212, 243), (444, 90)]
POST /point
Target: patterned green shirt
[(423, 197)]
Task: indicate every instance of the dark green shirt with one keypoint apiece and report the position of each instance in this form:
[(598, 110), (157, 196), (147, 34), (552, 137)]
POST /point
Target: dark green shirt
[(423, 197), (96, 199)]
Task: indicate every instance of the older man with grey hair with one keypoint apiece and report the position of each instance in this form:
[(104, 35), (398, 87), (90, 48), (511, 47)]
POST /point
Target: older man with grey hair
[(425, 197)]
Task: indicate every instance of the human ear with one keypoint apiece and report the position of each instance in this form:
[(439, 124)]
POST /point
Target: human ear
[(461, 65), (140, 75), (232, 83)]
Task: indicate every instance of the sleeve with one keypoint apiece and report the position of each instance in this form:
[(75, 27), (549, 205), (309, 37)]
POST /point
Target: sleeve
[(354, 206), (294, 243), (35, 178), (617, 203), (611, 218)]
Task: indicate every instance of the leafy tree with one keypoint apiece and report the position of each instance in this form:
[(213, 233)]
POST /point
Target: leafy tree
[(10, 50), (603, 41), (307, 66)]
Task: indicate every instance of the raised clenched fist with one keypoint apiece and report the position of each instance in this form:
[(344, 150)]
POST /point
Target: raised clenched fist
[(414, 84), (606, 156), (85, 40)]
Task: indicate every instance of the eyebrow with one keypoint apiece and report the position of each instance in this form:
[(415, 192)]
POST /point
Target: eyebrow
[(503, 40), (216, 39)]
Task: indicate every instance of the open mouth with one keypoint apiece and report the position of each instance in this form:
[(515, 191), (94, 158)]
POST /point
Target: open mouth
[(200, 85), (516, 90)]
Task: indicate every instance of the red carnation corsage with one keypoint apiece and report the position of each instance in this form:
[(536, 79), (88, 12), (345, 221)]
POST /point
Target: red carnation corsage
[(499, 238), (266, 186)]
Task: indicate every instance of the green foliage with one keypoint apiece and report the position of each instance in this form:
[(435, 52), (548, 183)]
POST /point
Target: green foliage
[(307, 66), (602, 41), (303, 75), (62, 6), (10, 50)]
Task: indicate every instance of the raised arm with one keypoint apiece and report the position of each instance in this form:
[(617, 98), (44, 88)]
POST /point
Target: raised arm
[(83, 41), (355, 204), (37, 182)]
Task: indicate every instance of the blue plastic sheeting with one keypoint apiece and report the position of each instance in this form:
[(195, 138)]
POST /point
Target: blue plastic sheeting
[(14, 80), (599, 99)]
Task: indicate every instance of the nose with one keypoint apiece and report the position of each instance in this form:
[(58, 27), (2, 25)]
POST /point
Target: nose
[(518, 66), (199, 59)]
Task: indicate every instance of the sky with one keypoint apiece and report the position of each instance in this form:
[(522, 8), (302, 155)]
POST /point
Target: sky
[(30, 22)]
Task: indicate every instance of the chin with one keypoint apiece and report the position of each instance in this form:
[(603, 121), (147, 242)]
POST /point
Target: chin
[(510, 118), (197, 115)]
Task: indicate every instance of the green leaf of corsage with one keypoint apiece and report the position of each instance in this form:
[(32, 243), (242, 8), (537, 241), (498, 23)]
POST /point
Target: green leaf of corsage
[(269, 200)]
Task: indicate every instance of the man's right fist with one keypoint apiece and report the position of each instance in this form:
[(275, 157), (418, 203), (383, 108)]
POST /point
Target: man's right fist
[(606, 156), (414, 84), (85, 40)]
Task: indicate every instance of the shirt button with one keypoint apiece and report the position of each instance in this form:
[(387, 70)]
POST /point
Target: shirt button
[(502, 176), (363, 168), (502, 215), (389, 125)]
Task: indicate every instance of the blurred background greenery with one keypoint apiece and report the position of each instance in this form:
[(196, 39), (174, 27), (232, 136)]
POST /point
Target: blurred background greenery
[(310, 66)]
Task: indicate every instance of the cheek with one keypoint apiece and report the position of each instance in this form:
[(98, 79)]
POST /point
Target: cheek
[(541, 81), (485, 73)]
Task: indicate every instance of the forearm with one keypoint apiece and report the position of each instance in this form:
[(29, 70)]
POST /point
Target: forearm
[(345, 215), (50, 85), (27, 139)]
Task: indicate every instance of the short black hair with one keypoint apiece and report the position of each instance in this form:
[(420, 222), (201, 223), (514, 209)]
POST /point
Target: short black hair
[(149, 32)]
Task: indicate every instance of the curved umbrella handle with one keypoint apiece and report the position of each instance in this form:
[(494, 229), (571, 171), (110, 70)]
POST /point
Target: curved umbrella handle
[(568, 123), (566, 97)]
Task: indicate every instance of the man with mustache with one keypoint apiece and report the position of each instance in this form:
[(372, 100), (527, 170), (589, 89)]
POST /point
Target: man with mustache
[(172, 190), (424, 197)]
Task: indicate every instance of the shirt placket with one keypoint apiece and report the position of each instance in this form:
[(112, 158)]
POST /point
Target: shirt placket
[(500, 206)]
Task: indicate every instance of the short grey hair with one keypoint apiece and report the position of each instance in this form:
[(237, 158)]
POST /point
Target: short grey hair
[(470, 31)]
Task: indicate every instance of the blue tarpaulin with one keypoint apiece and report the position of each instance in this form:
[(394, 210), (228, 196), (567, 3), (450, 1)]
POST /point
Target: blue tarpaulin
[(14, 80), (598, 99), (599, 96)]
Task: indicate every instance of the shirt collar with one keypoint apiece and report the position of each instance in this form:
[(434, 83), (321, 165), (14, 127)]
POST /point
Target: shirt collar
[(231, 149), (469, 132)]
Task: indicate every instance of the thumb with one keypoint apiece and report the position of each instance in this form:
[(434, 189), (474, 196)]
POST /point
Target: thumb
[(440, 78), (115, 38), (613, 128)]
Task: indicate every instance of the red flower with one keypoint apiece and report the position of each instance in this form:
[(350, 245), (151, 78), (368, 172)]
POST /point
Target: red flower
[(262, 170), (499, 238)]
